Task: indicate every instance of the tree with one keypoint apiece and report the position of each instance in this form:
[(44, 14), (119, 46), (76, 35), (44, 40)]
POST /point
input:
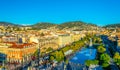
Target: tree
[(91, 62), (117, 58), (105, 64), (101, 49), (36, 53), (118, 62), (59, 55), (66, 61), (105, 58), (66, 48), (96, 62), (88, 63), (52, 58), (42, 34), (117, 55), (49, 49)]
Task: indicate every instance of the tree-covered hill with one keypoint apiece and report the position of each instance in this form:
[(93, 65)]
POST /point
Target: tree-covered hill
[(73, 25), (7, 24), (113, 25), (76, 25), (43, 25)]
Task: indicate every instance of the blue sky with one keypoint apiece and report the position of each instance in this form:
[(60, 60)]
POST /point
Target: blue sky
[(99, 12)]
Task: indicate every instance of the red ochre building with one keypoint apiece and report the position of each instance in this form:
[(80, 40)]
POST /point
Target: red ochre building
[(20, 53)]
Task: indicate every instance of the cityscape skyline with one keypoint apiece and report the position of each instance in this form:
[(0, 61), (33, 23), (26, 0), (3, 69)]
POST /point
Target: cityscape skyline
[(100, 12), (59, 35)]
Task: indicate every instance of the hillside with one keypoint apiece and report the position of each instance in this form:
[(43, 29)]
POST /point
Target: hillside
[(113, 25), (42, 25), (76, 25), (73, 25), (7, 24)]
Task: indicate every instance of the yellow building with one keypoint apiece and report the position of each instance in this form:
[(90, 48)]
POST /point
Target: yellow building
[(64, 39), (75, 37), (25, 28), (17, 53), (118, 43), (9, 39), (33, 39), (4, 47), (1, 27)]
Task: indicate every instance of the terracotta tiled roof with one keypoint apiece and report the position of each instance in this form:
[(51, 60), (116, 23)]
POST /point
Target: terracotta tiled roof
[(15, 45), (118, 40), (10, 42), (8, 36), (118, 35)]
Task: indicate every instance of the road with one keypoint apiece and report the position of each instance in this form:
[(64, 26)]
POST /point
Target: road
[(107, 45)]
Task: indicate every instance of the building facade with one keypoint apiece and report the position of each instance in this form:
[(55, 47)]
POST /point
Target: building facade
[(18, 53), (64, 39)]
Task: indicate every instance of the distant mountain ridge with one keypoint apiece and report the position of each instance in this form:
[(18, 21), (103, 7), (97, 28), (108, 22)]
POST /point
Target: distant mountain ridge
[(6, 23), (72, 25), (43, 25), (2, 23), (76, 25), (113, 25)]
